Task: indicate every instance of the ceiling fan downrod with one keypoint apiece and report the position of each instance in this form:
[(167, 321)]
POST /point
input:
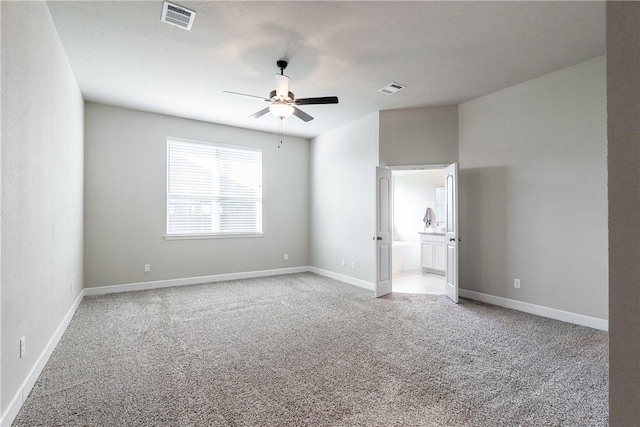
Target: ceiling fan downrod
[(282, 65)]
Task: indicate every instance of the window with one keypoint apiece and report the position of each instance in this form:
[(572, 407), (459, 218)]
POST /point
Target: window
[(213, 190)]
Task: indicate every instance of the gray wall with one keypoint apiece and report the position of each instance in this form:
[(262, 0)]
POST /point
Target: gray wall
[(343, 179), (41, 188), (419, 136), (533, 191), (623, 105), (125, 192)]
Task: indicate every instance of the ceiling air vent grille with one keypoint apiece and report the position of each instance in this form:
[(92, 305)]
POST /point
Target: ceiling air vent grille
[(391, 88), (177, 15)]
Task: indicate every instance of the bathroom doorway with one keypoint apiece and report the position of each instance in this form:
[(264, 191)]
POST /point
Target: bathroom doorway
[(419, 225)]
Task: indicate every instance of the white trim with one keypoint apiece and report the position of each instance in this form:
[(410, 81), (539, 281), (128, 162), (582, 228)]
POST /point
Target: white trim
[(341, 277), (416, 167), (214, 143), (22, 394), (210, 236), (552, 313), (141, 286)]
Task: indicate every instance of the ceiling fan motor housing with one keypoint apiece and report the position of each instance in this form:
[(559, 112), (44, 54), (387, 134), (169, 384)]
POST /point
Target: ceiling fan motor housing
[(273, 95)]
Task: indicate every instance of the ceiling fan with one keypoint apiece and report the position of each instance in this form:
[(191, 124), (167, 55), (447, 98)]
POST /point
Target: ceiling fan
[(283, 102)]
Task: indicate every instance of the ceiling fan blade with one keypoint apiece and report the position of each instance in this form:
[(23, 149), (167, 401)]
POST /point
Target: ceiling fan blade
[(248, 96), (301, 114), (320, 100), (282, 85), (259, 113)]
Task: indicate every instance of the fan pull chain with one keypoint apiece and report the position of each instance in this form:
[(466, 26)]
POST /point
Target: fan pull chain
[(280, 132)]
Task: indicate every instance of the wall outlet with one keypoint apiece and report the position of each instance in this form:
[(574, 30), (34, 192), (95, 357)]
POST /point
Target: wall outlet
[(23, 346), (147, 268), (516, 283), (342, 263), (286, 257), (353, 264)]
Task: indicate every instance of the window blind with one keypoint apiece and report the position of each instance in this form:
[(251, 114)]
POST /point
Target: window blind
[(213, 189)]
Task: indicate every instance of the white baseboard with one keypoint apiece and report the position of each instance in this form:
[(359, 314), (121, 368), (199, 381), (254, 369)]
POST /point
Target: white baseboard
[(552, 313), (341, 277), (17, 401), (141, 286)]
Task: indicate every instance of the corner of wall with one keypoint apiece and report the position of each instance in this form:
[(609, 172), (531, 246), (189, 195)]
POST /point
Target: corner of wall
[(623, 108), (42, 159), (342, 206)]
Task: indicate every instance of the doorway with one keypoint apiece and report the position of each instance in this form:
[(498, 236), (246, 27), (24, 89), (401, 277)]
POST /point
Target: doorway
[(419, 225), (431, 237)]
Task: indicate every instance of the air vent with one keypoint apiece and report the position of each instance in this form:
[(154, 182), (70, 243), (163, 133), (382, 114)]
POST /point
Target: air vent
[(391, 88), (177, 15)]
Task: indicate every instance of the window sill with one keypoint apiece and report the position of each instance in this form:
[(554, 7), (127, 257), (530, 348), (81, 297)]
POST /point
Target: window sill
[(210, 236)]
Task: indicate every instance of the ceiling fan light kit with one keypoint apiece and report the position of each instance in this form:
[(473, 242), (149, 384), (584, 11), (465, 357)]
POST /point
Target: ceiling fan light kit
[(281, 110), (283, 102)]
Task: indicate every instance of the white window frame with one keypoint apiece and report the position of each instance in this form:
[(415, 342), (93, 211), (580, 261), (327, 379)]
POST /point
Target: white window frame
[(220, 235)]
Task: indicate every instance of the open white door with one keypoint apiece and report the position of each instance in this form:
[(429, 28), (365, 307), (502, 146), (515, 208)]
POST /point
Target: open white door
[(451, 237), (383, 232)]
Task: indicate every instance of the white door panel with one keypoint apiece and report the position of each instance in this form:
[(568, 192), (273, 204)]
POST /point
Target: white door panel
[(383, 232), (451, 236)]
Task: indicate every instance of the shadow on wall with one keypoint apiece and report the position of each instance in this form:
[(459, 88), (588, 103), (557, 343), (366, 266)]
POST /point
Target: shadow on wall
[(484, 257)]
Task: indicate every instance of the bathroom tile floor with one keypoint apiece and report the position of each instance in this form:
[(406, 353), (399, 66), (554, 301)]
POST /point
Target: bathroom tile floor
[(417, 282)]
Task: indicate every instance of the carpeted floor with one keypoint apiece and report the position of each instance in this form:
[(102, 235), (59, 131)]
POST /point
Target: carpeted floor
[(306, 350)]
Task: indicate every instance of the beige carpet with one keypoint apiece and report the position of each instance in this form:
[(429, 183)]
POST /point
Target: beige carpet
[(305, 350)]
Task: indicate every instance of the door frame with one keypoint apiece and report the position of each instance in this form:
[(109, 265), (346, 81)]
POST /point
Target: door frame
[(426, 167)]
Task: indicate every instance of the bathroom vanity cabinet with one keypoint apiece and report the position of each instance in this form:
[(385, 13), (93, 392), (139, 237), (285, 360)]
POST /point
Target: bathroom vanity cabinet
[(432, 252)]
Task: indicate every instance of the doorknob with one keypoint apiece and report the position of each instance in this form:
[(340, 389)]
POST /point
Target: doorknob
[(377, 238), (452, 239)]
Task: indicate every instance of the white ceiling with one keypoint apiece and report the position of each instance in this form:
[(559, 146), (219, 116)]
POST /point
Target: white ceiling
[(445, 52)]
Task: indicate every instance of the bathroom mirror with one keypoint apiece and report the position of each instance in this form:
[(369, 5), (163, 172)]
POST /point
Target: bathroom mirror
[(441, 206)]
